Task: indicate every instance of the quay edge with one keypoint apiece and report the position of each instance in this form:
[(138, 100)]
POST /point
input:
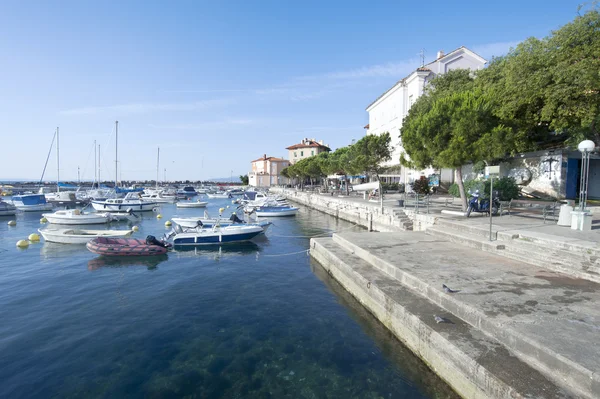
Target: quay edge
[(472, 363)]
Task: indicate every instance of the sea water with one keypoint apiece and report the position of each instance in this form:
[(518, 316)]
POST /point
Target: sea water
[(253, 320)]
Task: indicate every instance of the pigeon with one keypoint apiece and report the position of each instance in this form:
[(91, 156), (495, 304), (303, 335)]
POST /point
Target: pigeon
[(439, 319), (449, 290)]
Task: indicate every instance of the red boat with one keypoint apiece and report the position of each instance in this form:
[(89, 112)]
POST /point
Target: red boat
[(127, 246)]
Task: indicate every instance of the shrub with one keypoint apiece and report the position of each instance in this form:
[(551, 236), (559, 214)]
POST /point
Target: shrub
[(470, 185), (507, 188), (421, 186)]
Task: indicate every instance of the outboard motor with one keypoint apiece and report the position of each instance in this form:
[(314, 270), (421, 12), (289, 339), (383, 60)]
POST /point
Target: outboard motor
[(151, 240), (235, 219), (130, 211)]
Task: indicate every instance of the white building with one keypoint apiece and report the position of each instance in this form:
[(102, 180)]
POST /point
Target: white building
[(387, 112)]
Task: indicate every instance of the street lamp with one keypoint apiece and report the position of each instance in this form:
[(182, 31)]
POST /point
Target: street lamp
[(585, 147)]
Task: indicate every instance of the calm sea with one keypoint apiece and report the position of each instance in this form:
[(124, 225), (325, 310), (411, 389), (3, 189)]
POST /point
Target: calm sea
[(259, 320)]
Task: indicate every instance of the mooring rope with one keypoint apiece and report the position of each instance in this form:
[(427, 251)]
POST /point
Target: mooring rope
[(304, 251), (317, 235)]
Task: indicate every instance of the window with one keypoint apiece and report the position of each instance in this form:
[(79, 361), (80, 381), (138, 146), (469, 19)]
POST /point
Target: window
[(301, 153), (312, 152), (295, 154)]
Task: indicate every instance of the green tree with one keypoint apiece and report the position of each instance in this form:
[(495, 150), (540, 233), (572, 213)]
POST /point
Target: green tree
[(244, 179), (369, 153), (451, 130), (339, 163)]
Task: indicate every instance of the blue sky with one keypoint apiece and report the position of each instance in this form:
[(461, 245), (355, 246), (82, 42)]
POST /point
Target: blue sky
[(218, 84)]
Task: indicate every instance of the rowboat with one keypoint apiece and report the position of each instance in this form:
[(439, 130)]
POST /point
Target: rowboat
[(76, 236), (217, 235), (75, 216), (192, 204), (107, 246)]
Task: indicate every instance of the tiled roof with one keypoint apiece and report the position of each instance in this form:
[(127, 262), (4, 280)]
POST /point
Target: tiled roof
[(308, 144), (366, 126), (272, 159)]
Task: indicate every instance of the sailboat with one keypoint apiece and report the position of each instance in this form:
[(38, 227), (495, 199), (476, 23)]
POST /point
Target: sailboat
[(63, 198)]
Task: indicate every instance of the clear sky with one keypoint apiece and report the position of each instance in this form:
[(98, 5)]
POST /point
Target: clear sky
[(217, 84)]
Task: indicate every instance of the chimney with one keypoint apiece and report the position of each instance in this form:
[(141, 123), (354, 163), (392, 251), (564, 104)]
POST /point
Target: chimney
[(321, 142), (265, 156), (440, 54)]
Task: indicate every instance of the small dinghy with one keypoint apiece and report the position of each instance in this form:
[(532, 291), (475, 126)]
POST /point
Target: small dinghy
[(76, 236), (107, 246), (191, 204)]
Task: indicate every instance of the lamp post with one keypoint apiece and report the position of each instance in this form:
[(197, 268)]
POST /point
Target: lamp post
[(585, 147)]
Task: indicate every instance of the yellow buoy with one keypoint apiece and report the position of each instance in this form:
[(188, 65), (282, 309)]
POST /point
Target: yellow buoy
[(168, 223), (43, 220), (135, 228), (233, 202), (221, 210), (159, 216), (12, 223), (22, 243), (33, 237)]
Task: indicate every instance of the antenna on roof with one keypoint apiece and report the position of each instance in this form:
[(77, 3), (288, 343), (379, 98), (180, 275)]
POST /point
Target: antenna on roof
[(422, 55)]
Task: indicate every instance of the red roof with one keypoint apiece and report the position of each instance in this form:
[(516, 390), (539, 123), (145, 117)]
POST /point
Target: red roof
[(366, 126), (273, 159), (308, 144)]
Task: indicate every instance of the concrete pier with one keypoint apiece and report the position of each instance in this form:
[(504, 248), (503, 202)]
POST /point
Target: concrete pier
[(513, 330)]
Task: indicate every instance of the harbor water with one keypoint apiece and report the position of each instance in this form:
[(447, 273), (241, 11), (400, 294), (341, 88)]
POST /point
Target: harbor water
[(252, 320)]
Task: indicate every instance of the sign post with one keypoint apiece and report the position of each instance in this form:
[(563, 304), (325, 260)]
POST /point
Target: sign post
[(491, 171)]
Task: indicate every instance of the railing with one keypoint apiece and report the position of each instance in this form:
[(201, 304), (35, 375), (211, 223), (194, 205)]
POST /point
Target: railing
[(418, 201)]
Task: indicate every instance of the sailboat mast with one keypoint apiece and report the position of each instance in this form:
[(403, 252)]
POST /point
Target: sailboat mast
[(95, 163), (99, 178), (57, 164), (157, 165), (116, 151)]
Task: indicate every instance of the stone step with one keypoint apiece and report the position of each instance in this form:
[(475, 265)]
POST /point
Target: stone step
[(464, 239), (473, 363), (558, 355), (476, 230)]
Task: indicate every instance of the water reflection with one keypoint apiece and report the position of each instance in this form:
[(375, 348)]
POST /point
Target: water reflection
[(151, 262), (218, 251)]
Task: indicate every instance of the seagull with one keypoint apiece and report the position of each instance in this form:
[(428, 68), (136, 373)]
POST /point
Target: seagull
[(439, 319), (449, 290)]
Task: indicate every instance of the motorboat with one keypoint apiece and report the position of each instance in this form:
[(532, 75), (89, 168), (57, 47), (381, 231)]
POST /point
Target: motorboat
[(131, 200), (219, 195), (76, 236), (159, 197), (108, 246), (31, 202), (64, 198), (7, 209), (75, 216), (187, 191), (192, 204), (215, 235), (127, 216), (195, 223), (276, 211)]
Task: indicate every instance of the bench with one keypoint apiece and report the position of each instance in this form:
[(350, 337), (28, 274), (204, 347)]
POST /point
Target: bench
[(545, 208)]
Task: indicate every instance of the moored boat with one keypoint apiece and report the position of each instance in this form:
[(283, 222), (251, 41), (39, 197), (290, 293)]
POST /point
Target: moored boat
[(219, 195), (131, 200), (217, 235), (75, 216), (76, 236), (107, 246), (7, 209), (31, 202), (158, 196), (192, 204), (276, 211)]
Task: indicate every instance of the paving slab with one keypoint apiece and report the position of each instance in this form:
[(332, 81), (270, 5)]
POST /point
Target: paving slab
[(550, 320)]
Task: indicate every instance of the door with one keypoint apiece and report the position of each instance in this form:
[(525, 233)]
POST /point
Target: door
[(572, 183)]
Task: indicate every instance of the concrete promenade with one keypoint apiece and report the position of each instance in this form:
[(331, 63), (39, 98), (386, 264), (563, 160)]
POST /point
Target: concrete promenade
[(525, 322)]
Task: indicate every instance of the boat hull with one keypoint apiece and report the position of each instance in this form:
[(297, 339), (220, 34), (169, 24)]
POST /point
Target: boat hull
[(104, 206), (191, 204), (277, 213), (222, 236), (123, 247), (71, 236), (74, 219)]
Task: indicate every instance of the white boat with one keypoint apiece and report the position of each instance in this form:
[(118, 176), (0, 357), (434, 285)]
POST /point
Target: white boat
[(7, 209), (131, 200), (159, 197), (192, 204), (216, 235), (219, 195), (75, 216), (128, 216), (63, 198), (74, 236), (276, 211), (31, 202), (200, 223)]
